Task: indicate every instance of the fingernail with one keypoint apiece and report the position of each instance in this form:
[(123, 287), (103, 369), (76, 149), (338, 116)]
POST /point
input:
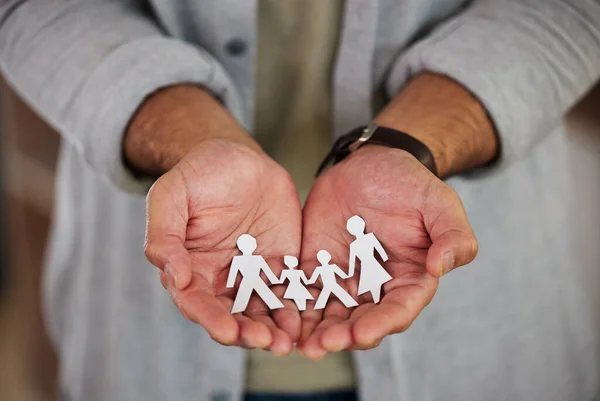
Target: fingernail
[(170, 272), (447, 262)]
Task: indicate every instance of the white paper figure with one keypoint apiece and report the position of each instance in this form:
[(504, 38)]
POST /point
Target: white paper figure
[(327, 273), (372, 274), (250, 266), (295, 290)]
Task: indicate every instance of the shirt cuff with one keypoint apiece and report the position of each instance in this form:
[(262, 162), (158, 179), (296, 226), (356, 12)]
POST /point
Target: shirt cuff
[(499, 69), (117, 87)]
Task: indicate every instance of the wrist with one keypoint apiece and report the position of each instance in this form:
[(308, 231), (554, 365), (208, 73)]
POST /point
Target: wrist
[(172, 122), (447, 119), (374, 134)]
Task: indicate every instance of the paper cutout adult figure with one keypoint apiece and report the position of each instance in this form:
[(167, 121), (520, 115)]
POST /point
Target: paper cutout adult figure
[(372, 273), (327, 273), (250, 266), (295, 290)]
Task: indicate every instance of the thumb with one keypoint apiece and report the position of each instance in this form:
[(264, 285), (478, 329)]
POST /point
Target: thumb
[(449, 251), (172, 258), (453, 241), (166, 225)]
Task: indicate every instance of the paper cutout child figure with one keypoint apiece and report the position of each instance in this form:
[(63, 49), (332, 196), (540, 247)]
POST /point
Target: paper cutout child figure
[(250, 266), (295, 290), (330, 285), (372, 274)]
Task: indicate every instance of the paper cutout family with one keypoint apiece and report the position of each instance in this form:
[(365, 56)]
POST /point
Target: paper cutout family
[(372, 273)]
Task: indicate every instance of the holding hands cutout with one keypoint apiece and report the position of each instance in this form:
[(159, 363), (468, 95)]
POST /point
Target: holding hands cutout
[(372, 275), (295, 290)]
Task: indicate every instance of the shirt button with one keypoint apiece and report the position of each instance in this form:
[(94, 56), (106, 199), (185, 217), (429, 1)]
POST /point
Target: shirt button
[(236, 47)]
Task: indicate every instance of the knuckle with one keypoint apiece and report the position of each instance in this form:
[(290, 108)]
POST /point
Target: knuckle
[(402, 327), (185, 315), (180, 304), (473, 247), (453, 196), (364, 341), (163, 280), (366, 345), (156, 253), (449, 195), (226, 341), (151, 251), (153, 189)]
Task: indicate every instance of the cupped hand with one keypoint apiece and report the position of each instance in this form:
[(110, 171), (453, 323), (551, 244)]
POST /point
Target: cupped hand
[(421, 224), (196, 212)]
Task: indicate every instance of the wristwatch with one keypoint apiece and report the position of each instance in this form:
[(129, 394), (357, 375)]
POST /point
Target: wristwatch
[(376, 135)]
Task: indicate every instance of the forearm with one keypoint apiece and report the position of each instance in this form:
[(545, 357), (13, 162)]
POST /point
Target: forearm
[(86, 83), (173, 121), (447, 119), (527, 61)]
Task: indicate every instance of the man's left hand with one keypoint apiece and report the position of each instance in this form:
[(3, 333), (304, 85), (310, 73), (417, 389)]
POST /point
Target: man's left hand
[(421, 223)]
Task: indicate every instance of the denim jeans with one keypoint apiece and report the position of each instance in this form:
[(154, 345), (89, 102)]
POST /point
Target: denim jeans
[(333, 396)]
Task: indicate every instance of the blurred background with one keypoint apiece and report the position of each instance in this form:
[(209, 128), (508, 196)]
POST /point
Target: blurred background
[(28, 156), (28, 150)]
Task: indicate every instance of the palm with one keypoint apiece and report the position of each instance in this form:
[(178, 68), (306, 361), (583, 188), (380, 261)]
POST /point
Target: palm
[(217, 193), (399, 201)]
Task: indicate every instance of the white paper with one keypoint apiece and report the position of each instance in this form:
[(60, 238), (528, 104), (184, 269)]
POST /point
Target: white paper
[(364, 249), (250, 266), (327, 272), (372, 273), (295, 290)]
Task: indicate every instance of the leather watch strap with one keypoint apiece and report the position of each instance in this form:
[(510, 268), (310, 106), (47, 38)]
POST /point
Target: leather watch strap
[(377, 135)]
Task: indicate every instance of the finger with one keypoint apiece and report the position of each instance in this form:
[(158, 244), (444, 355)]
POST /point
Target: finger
[(281, 343), (288, 317), (338, 337), (166, 224), (394, 314), (449, 251), (310, 321), (164, 279), (169, 285), (310, 318), (453, 241), (253, 334), (386, 319), (356, 347), (171, 258), (311, 348), (334, 313), (209, 311)]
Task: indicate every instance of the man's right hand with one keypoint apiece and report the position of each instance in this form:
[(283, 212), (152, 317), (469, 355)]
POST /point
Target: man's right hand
[(223, 186)]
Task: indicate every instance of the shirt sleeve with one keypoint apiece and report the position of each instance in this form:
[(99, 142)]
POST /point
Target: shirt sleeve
[(87, 65), (527, 61)]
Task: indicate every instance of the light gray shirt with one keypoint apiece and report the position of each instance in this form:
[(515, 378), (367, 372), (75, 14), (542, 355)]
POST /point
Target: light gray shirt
[(292, 122), (514, 325)]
